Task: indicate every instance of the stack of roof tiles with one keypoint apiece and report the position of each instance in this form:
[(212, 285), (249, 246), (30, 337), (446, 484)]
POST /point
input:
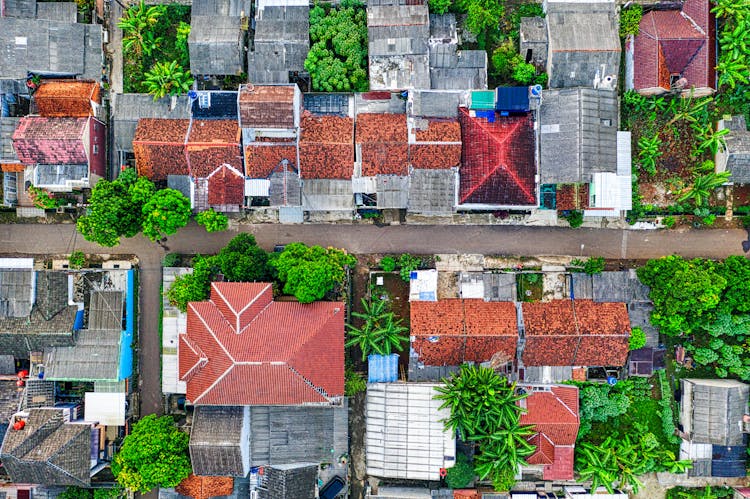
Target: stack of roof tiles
[(437, 145), (51, 141), (212, 143), (67, 98), (326, 147), (383, 144), (497, 161), (575, 333), (452, 331), (243, 348), (159, 147)]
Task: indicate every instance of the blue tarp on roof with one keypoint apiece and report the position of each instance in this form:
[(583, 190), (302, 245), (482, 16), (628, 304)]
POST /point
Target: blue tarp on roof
[(126, 337), (382, 368), (512, 99), (728, 461), (78, 322)]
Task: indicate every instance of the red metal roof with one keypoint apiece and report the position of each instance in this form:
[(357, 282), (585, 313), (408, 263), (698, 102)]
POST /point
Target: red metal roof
[(554, 414), (51, 141), (497, 161), (580, 333), (453, 331), (258, 351)]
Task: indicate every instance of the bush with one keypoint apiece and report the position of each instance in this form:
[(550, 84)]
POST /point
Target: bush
[(408, 263), (354, 382), (77, 260), (746, 221), (171, 260), (212, 221), (668, 222), (666, 413), (524, 73), (709, 220), (594, 265), (630, 20), (388, 263), (637, 338), (574, 218), (461, 475)]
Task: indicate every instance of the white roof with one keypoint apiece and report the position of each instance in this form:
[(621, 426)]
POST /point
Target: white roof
[(257, 187), (423, 285), (16, 263), (692, 450), (105, 408), (405, 436), (173, 321)]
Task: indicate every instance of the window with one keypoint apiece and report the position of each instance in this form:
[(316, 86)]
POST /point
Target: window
[(95, 149)]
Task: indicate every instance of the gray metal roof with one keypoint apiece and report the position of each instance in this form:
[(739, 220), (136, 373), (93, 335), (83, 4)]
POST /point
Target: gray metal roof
[(578, 134), (180, 183), (7, 364), (57, 11), (443, 27), (216, 45), (19, 8), (398, 40), (280, 45), (59, 174), (129, 108), (16, 288), (712, 410), (45, 46), (399, 72), (232, 8), (392, 191), (533, 29), (327, 195), (434, 104), (105, 310), (432, 192), (737, 149), (620, 286)]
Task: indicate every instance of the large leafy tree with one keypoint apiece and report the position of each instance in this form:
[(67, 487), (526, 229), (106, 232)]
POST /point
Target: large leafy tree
[(736, 270), (241, 260), (599, 402), (381, 333), (195, 286), (166, 211), (212, 220), (310, 272), (155, 454)]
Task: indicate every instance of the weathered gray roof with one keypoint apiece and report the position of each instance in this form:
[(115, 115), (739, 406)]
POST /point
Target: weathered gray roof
[(457, 70), (443, 27), (620, 286), (290, 482), (582, 37), (59, 174), (57, 11), (578, 134), (392, 191), (533, 29), (712, 410), (434, 104), (180, 183), (7, 364), (10, 396), (16, 288), (327, 195), (129, 108), (18, 8), (216, 45), (285, 189), (281, 43), (738, 149), (499, 287), (397, 39), (398, 72), (432, 192), (44, 46), (232, 8), (48, 451), (277, 435)]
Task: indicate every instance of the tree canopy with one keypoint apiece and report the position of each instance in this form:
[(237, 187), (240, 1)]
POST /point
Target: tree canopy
[(381, 333), (155, 454), (242, 260), (212, 220), (195, 286), (165, 211), (310, 272)]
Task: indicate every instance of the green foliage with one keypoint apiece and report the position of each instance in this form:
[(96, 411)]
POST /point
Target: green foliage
[(195, 286), (407, 263), (703, 186), (481, 15), (164, 213), (630, 20), (724, 346), (599, 403), (594, 265), (354, 382), (167, 78), (42, 198), (181, 44), (648, 152), (137, 27), (381, 333), (242, 260), (637, 339), (388, 263), (574, 218), (310, 272), (685, 292), (734, 40), (736, 271), (668, 222), (707, 492), (337, 60), (77, 260), (212, 221), (524, 73), (509, 67), (440, 6), (171, 260), (666, 411), (461, 475), (155, 454)]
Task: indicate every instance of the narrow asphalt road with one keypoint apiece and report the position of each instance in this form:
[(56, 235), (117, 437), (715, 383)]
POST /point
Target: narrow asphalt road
[(496, 240)]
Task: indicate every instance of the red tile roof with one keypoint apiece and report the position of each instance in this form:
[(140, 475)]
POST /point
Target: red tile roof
[(267, 106), (12, 167), (383, 142), (580, 333), (497, 161), (212, 143), (326, 147), (159, 147), (437, 146), (243, 348), (671, 42), (203, 487), (67, 98), (554, 415), (51, 141), (226, 186), (572, 196), (453, 331), (261, 158)]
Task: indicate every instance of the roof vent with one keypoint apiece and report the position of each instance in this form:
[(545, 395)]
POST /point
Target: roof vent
[(204, 100)]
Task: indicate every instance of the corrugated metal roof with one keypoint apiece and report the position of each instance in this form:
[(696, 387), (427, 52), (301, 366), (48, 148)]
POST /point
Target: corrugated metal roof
[(482, 99), (105, 408), (173, 321)]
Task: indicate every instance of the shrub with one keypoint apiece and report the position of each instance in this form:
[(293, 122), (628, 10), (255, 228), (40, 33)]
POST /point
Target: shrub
[(637, 338), (630, 20), (407, 263), (388, 263), (171, 260), (461, 474), (212, 221), (574, 218), (77, 260), (524, 73), (354, 382), (666, 413), (668, 222), (746, 221), (709, 220), (594, 265)]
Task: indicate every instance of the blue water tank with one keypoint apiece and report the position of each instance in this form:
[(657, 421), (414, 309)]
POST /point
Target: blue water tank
[(536, 90), (192, 94)]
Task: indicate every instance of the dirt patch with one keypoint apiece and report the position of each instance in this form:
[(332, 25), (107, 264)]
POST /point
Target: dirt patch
[(447, 285), (357, 426)]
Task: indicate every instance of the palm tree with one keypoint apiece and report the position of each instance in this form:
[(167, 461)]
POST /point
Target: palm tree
[(381, 332), (703, 186), (135, 24), (167, 78)]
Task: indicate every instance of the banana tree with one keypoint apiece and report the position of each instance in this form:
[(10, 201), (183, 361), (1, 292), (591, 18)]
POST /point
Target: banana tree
[(730, 8), (711, 139), (648, 153), (167, 78), (381, 333), (702, 188), (732, 72), (136, 23)]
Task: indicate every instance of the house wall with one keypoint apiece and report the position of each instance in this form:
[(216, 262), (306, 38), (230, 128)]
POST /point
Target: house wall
[(97, 151)]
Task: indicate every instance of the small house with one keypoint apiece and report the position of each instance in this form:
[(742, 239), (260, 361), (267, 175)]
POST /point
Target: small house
[(68, 98), (218, 36)]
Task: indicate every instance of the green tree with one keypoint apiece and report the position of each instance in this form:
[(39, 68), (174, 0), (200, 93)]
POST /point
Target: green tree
[(388, 264), (164, 213), (599, 402), (637, 338), (524, 73), (167, 78), (648, 152), (381, 333), (503, 451), (736, 270), (155, 454), (702, 188), (630, 20), (242, 260), (77, 260), (136, 24), (195, 286), (408, 263), (309, 272), (212, 221), (111, 214), (440, 6)]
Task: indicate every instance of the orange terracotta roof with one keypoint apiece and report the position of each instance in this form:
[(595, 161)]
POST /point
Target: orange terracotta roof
[(261, 158), (67, 98), (12, 167), (203, 487), (383, 143), (327, 147), (159, 147)]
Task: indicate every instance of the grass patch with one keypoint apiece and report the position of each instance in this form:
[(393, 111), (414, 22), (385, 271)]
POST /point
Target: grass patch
[(530, 286)]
